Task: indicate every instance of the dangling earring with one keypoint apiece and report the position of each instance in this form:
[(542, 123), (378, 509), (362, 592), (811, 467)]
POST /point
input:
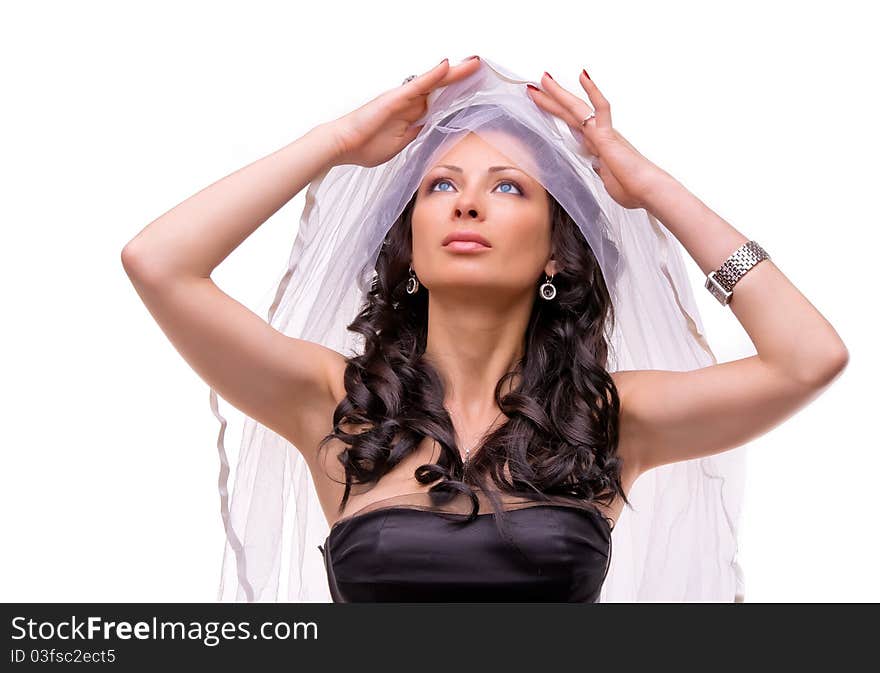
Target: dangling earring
[(412, 285), (548, 289)]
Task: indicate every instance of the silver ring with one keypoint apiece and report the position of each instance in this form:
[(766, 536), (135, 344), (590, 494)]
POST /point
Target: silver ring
[(591, 115), (408, 79)]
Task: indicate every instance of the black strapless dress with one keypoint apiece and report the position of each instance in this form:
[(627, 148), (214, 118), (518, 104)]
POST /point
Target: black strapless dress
[(405, 549)]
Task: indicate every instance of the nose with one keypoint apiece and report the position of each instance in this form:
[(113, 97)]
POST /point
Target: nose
[(466, 203)]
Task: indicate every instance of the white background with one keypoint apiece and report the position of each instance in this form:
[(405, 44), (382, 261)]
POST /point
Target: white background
[(116, 112)]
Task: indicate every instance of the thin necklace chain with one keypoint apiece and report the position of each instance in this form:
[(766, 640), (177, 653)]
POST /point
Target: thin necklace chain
[(467, 452)]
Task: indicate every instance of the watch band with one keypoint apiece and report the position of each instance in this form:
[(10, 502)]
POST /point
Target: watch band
[(721, 281)]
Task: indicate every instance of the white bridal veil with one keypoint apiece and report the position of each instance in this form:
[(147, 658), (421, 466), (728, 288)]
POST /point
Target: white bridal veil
[(677, 543)]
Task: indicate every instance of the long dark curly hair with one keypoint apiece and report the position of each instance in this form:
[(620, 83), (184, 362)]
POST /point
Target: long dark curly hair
[(561, 432)]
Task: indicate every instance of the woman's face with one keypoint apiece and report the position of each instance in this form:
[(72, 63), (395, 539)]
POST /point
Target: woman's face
[(463, 191)]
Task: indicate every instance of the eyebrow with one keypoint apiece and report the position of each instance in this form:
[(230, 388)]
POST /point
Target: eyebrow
[(492, 169)]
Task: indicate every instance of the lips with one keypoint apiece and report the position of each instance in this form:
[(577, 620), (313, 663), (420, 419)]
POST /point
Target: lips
[(471, 236)]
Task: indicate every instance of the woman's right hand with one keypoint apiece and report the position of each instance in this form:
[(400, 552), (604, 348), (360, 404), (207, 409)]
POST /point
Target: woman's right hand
[(379, 129)]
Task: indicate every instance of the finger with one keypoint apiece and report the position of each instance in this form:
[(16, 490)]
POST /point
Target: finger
[(553, 106), (426, 82), (578, 107), (603, 108), (547, 102), (460, 71), (441, 75)]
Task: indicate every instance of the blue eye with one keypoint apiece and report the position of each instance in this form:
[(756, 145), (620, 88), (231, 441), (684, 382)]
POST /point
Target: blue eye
[(437, 182), (440, 181), (512, 184)]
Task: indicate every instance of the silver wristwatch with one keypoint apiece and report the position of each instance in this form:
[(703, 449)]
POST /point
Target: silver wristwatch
[(721, 281)]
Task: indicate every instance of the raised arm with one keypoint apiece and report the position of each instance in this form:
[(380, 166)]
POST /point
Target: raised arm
[(672, 416), (287, 384), (279, 381)]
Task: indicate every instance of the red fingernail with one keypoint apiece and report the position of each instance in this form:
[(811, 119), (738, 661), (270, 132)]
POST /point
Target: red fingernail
[(533, 87), (586, 75), (474, 56), (549, 75)]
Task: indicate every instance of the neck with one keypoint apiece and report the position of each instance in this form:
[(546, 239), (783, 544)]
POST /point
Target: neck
[(472, 345)]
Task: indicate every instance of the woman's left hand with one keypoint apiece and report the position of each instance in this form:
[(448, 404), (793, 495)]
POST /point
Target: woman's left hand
[(627, 175)]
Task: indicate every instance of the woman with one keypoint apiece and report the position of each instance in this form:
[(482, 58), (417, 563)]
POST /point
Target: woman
[(477, 388)]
